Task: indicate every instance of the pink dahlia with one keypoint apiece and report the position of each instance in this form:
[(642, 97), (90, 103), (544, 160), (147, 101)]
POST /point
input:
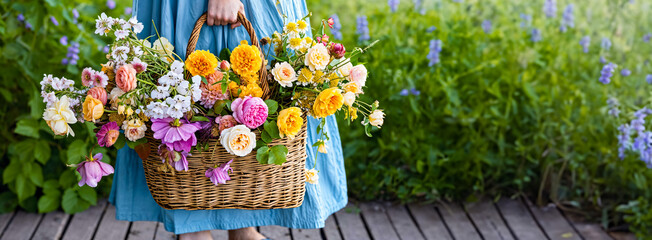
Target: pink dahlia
[(250, 111), (108, 134), (176, 134), (212, 91), (92, 170), (177, 159), (220, 175)]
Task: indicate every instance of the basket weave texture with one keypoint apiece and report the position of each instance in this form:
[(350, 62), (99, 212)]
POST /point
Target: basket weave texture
[(252, 185)]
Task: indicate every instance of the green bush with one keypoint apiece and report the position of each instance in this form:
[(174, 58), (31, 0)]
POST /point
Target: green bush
[(500, 114), (33, 161)]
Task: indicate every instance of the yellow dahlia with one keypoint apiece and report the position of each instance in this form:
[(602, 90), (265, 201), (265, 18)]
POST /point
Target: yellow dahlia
[(251, 89), (201, 62), (245, 59)]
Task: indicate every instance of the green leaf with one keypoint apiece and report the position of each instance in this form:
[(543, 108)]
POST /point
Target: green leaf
[(133, 145), (225, 54), (51, 187), (48, 203), (36, 174), (70, 202), (68, 179), (24, 188), (42, 151), (278, 154), (367, 130), (265, 137), (88, 193), (27, 127), (120, 142), (203, 79), (272, 106), (10, 173), (77, 150), (272, 129), (262, 155), (199, 119)]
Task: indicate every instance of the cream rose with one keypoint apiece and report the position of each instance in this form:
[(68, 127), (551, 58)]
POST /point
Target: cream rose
[(376, 118), (311, 176), (345, 69), (163, 46), (134, 129), (59, 116), (349, 98), (284, 74), (317, 57), (359, 75), (238, 140)]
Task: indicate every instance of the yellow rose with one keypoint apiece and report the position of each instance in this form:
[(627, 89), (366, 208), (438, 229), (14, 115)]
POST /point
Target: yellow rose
[(92, 109), (328, 102), (289, 122), (317, 57), (201, 63), (352, 87), (311, 176), (59, 116)]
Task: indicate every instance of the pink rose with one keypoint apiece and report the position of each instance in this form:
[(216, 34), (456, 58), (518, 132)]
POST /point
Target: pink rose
[(98, 93), (358, 75), (226, 121), (125, 78), (225, 66), (250, 111)]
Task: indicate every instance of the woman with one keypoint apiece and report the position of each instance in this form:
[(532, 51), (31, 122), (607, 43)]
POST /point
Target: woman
[(174, 20)]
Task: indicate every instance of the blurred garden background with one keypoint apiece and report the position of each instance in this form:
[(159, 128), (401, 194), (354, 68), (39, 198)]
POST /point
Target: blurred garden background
[(484, 98)]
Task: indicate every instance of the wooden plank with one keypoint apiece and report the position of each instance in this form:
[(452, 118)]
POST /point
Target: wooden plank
[(405, 227), (351, 224), (275, 232), (623, 235), (457, 222), (111, 228), (331, 230), (162, 234), (142, 230), (307, 234), (377, 221), (428, 220), (51, 226), (520, 220), (553, 223), (487, 220), (22, 226), (220, 234), (82, 225), (591, 231), (5, 218)]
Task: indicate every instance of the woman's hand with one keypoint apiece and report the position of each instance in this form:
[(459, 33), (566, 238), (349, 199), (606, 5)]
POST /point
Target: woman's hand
[(223, 12)]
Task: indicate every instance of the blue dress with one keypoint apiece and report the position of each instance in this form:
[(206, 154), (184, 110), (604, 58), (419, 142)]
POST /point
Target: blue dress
[(174, 20)]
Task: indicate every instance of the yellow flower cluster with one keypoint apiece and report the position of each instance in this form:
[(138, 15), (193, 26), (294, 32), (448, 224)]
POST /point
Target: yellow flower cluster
[(201, 62), (246, 59)]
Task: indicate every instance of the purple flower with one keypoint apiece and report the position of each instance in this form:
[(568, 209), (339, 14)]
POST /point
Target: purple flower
[(435, 49), (613, 107), (648, 78), (418, 7), (337, 27), (108, 134), (54, 21), (393, 5), (176, 134), (550, 8), (646, 37), (535, 35), (64, 61), (75, 13), (606, 43), (92, 170), (486, 26), (128, 11), (431, 29), (404, 92), (176, 159), (603, 60), (20, 17), (220, 175), (110, 4), (28, 25), (362, 28), (607, 73), (567, 19), (106, 49), (585, 42), (624, 140), (625, 72), (63, 40), (415, 92), (526, 20)]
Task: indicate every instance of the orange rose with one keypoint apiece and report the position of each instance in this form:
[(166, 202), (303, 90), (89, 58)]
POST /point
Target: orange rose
[(125, 78), (328, 102), (92, 108)]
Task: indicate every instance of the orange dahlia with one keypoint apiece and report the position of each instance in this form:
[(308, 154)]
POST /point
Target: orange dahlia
[(245, 59), (201, 63)]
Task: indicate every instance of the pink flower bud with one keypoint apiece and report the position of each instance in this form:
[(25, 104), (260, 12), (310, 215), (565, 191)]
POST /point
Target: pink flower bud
[(225, 66), (331, 22), (337, 50)]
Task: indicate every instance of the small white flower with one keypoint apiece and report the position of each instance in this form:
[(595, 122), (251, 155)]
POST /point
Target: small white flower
[(123, 24), (161, 92), (103, 24), (119, 54), (49, 98), (138, 51), (179, 105), (47, 81), (138, 27), (196, 91), (311, 176), (182, 88), (177, 67), (157, 110), (121, 34)]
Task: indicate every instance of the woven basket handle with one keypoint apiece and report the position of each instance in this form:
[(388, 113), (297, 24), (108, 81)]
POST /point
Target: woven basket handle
[(262, 74)]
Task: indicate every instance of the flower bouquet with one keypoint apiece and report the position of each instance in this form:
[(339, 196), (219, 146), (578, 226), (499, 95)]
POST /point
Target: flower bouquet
[(213, 133)]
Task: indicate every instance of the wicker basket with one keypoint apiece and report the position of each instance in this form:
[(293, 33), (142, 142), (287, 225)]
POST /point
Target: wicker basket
[(252, 185)]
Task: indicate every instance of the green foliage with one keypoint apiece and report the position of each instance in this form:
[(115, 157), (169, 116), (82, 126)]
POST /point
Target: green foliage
[(499, 115), (32, 160)]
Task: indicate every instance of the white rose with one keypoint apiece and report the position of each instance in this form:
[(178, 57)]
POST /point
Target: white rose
[(284, 74), (134, 129), (59, 116), (358, 75), (238, 140), (349, 98), (376, 118), (311, 176), (317, 57), (345, 69)]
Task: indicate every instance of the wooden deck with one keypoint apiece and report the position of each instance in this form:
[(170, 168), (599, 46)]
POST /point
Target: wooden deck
[(507, 219)]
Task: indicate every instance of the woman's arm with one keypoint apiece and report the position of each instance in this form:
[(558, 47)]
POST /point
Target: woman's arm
[(223, 12)]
